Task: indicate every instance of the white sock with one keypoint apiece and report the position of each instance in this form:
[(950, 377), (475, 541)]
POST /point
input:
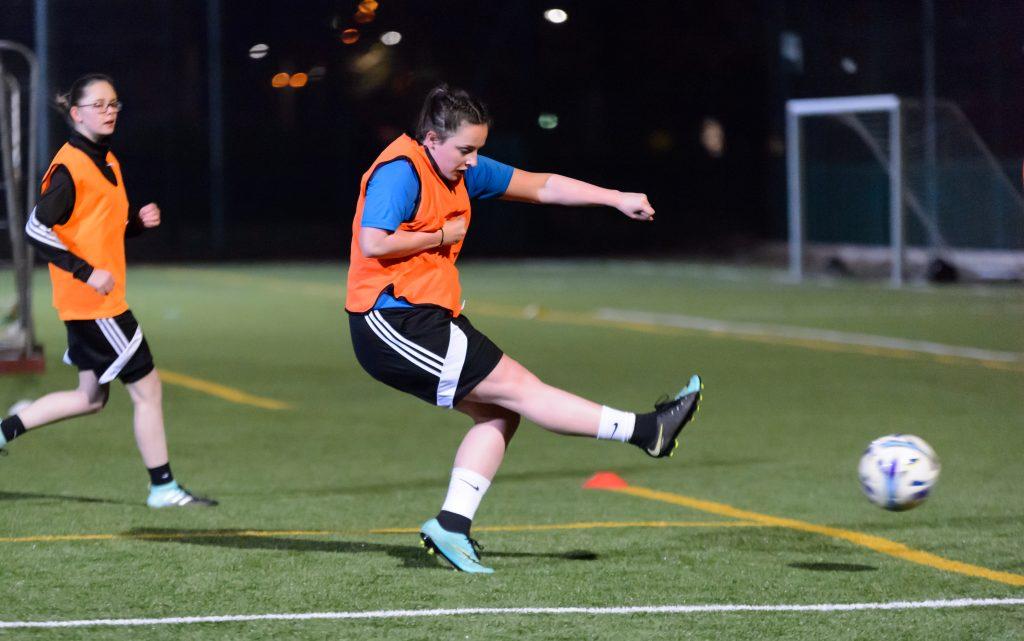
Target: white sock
[(615, 424), (465, 491)]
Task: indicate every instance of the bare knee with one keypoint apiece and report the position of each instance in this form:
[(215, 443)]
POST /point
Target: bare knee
[(504, 420), (509, 423), (147, 390), (95, 397)]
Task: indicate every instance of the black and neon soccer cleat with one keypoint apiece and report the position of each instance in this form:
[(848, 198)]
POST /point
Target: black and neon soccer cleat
[(672, 417)]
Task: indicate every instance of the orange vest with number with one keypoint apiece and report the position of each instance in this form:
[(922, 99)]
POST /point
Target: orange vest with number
[(425, 278), (94, 233)]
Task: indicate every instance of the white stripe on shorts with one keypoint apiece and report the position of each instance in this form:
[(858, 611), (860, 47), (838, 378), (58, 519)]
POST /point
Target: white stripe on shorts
[(431, 357), (124, 348), (380, 327), (113, 332), (452, 368)]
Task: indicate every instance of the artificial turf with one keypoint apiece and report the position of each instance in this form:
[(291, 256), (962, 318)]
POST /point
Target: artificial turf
[(782, 427)]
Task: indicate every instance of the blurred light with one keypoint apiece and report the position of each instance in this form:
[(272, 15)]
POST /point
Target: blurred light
[(712, 136), (370, 59), (280, 80), (258, 51), (547, 121), (791, 48), (660, 140), (298, 80), (362, 17), (350, 36), (317, 73), (556, 16), (391, 38), (849, 65), (368, 5)]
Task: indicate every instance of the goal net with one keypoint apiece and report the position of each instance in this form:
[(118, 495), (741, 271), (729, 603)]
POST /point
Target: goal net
[(872, 183)]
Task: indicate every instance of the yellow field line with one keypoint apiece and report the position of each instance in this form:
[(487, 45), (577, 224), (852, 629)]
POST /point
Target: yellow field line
[(170, 536), (876, 543), (220, 391)]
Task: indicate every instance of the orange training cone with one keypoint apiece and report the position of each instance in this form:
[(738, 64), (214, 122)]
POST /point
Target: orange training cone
[(605, 481)]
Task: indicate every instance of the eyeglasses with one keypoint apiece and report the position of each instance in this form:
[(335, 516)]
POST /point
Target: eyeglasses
[(115, 105)]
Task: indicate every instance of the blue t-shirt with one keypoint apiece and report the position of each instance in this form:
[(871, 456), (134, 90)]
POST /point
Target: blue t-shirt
[(394, 189)]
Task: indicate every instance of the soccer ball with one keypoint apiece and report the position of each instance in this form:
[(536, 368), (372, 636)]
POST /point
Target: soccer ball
[(898, 471)]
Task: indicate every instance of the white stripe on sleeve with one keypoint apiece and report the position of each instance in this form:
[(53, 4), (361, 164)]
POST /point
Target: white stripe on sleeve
[(42, 233)]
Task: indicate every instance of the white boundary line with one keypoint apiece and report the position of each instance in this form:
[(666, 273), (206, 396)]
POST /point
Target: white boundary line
[(803, 333), (405, 614)]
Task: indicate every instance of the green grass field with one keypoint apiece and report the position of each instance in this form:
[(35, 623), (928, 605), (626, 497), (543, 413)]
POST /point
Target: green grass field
[(303, 490)]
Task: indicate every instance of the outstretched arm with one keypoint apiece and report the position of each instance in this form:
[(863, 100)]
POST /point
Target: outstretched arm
[(554, 189)]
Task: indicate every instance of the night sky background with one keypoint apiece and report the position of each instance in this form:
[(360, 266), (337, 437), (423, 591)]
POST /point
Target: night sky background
[(630, 82)]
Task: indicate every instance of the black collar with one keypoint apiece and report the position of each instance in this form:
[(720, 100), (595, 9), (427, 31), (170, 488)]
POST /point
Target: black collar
[(97, 151), (450, 184)]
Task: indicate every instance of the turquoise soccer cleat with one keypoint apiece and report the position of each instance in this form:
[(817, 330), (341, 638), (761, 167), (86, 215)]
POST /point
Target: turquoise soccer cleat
[(457, 549)]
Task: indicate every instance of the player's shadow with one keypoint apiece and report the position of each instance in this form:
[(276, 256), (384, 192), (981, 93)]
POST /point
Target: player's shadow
[(34, 496), (833, 567), (578, 474), (410, 556)]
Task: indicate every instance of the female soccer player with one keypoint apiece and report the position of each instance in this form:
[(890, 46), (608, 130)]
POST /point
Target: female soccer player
[(404, 307), (79, 227)]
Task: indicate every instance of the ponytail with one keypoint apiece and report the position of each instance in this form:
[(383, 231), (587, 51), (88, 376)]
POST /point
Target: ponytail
[(446, 109)]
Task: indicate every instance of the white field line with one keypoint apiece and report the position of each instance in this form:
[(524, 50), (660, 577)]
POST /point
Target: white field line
[(803, 333), (405, 614)]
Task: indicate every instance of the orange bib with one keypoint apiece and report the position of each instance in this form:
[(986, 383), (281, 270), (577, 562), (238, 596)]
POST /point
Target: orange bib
[(428, 277), (95, 233)]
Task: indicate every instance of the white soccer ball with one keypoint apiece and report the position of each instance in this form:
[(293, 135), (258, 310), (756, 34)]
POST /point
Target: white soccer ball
[(898, 471)]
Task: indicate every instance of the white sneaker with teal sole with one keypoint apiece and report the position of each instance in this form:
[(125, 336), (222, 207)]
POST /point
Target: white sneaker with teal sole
[(457, 549), (173, 495)]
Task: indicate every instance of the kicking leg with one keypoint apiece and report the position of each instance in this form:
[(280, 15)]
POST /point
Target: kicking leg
[(512, 386)]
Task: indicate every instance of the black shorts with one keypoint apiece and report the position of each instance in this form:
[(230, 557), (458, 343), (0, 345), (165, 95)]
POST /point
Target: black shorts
[(423, 351), (111, 347)]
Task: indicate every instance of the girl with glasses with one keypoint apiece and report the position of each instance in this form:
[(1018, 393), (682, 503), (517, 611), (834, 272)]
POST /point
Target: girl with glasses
[(79, 228)]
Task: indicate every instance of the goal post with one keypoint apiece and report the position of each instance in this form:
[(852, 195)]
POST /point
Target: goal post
[(871, 172), (796, 110)]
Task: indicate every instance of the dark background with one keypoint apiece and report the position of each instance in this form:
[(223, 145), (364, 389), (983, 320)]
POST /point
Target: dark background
[(631, 83)]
